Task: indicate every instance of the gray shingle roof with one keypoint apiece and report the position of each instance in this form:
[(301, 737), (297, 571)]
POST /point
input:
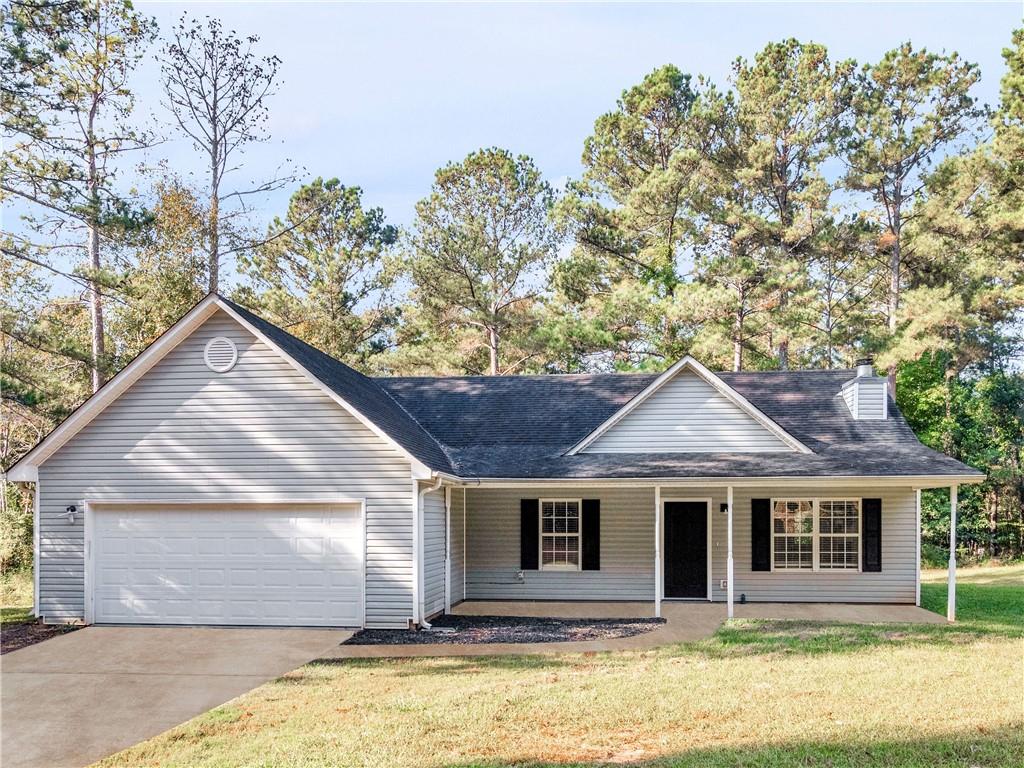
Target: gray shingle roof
[(522, 426)]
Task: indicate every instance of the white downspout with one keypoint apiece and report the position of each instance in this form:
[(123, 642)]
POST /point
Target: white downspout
[(35, 550), (417, 553)]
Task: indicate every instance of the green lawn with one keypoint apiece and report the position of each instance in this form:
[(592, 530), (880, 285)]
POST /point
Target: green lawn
[(757, 694), (16, 597)]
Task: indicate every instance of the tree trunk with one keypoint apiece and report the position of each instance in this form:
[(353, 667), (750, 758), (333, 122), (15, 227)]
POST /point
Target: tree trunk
[(96, 309), (492, 343), (895, 265), (214, 219), (93, 247), (948, 445), (783, 351), (737, 342)]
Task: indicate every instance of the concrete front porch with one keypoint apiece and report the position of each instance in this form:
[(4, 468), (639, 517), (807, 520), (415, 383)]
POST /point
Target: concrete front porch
[(686, 612), (685, 622)]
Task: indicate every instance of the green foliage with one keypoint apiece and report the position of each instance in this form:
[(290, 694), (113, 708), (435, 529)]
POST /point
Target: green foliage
[(164, 267), (326, 272), (15, 529), (978, 419), (477, 257)]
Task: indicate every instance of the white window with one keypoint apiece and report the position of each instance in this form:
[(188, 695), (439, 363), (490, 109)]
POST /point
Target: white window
[(560, 534), (793, 533), (816, 534), (839, 534)]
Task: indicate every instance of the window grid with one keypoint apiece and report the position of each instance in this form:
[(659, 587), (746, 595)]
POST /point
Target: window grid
[(816, 534), (839, 542), (793, 534), (560, 534)]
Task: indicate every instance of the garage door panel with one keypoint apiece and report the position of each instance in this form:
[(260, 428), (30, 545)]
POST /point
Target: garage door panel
[(283, 567)]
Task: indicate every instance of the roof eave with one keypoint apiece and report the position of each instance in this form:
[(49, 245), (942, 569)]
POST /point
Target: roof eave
[(911, 481)]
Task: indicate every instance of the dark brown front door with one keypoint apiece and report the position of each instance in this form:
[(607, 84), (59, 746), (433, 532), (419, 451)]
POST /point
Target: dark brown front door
[(686, 549)]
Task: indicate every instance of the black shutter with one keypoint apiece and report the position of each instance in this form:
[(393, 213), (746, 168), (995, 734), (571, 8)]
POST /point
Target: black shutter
[(760, 534), (529, 531), (591, 545), (871, 535)]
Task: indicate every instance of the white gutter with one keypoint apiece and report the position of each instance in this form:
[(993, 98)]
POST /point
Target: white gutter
[(417, 552), (889, 481)]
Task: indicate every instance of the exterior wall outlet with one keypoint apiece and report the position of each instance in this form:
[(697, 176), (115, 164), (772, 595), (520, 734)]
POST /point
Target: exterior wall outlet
[(723, 583)]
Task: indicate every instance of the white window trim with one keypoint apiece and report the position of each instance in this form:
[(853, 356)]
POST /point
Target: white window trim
[(540, 537), (816, 534)]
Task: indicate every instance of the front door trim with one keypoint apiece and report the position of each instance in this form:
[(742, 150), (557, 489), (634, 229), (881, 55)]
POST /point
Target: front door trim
[(661, 545)]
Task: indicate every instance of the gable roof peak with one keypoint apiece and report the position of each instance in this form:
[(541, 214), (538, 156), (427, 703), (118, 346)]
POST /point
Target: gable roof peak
[(701, 371)]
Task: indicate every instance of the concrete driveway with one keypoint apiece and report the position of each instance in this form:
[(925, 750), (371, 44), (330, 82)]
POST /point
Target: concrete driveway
[(78, 697)]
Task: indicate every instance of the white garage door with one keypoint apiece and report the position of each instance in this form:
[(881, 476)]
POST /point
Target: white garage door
[(278, 565)]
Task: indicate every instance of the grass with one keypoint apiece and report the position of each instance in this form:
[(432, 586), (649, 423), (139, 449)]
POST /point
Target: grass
[(756, 694), (16, 598)]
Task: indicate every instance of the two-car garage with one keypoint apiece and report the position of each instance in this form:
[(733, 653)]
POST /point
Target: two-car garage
[(274, 564)]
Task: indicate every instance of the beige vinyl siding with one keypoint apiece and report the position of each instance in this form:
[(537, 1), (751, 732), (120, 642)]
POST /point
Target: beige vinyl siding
[(433, 552), (871, 399), (865, 397), (261, 430), (686, 415), (458, 545), (895, 583), (627, 554), (627, 549), (850, 398)]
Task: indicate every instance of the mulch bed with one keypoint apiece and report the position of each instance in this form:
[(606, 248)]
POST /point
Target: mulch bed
[(15, 636), (470, 630)]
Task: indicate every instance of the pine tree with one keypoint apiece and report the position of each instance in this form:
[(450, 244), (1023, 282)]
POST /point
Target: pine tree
[(69, 132), (326, 272), (477, 259), (910, 108)]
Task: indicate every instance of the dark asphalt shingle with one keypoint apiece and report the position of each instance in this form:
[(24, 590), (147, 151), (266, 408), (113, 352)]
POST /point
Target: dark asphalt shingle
[(521, 426)]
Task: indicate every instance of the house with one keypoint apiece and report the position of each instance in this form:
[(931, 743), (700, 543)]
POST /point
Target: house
[(232, 474)]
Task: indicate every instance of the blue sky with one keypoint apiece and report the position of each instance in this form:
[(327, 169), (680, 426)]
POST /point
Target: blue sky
[(382, 95)]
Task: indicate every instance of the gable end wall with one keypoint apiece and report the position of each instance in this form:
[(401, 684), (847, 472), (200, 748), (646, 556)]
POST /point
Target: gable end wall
[(687, 415), (185, 433)]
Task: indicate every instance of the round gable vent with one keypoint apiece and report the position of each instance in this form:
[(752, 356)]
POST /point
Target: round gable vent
[(220, 354)]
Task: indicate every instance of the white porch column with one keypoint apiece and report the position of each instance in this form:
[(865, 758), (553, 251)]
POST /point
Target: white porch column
[(657, 551), (951, 598), (728, 559), (447, 549), (917, 577)]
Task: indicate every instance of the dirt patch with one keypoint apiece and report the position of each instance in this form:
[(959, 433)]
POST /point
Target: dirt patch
[(471, 630), (15, 636)]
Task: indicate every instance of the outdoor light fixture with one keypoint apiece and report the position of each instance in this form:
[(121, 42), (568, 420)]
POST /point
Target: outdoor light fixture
[(69, 512), (723, 507)]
